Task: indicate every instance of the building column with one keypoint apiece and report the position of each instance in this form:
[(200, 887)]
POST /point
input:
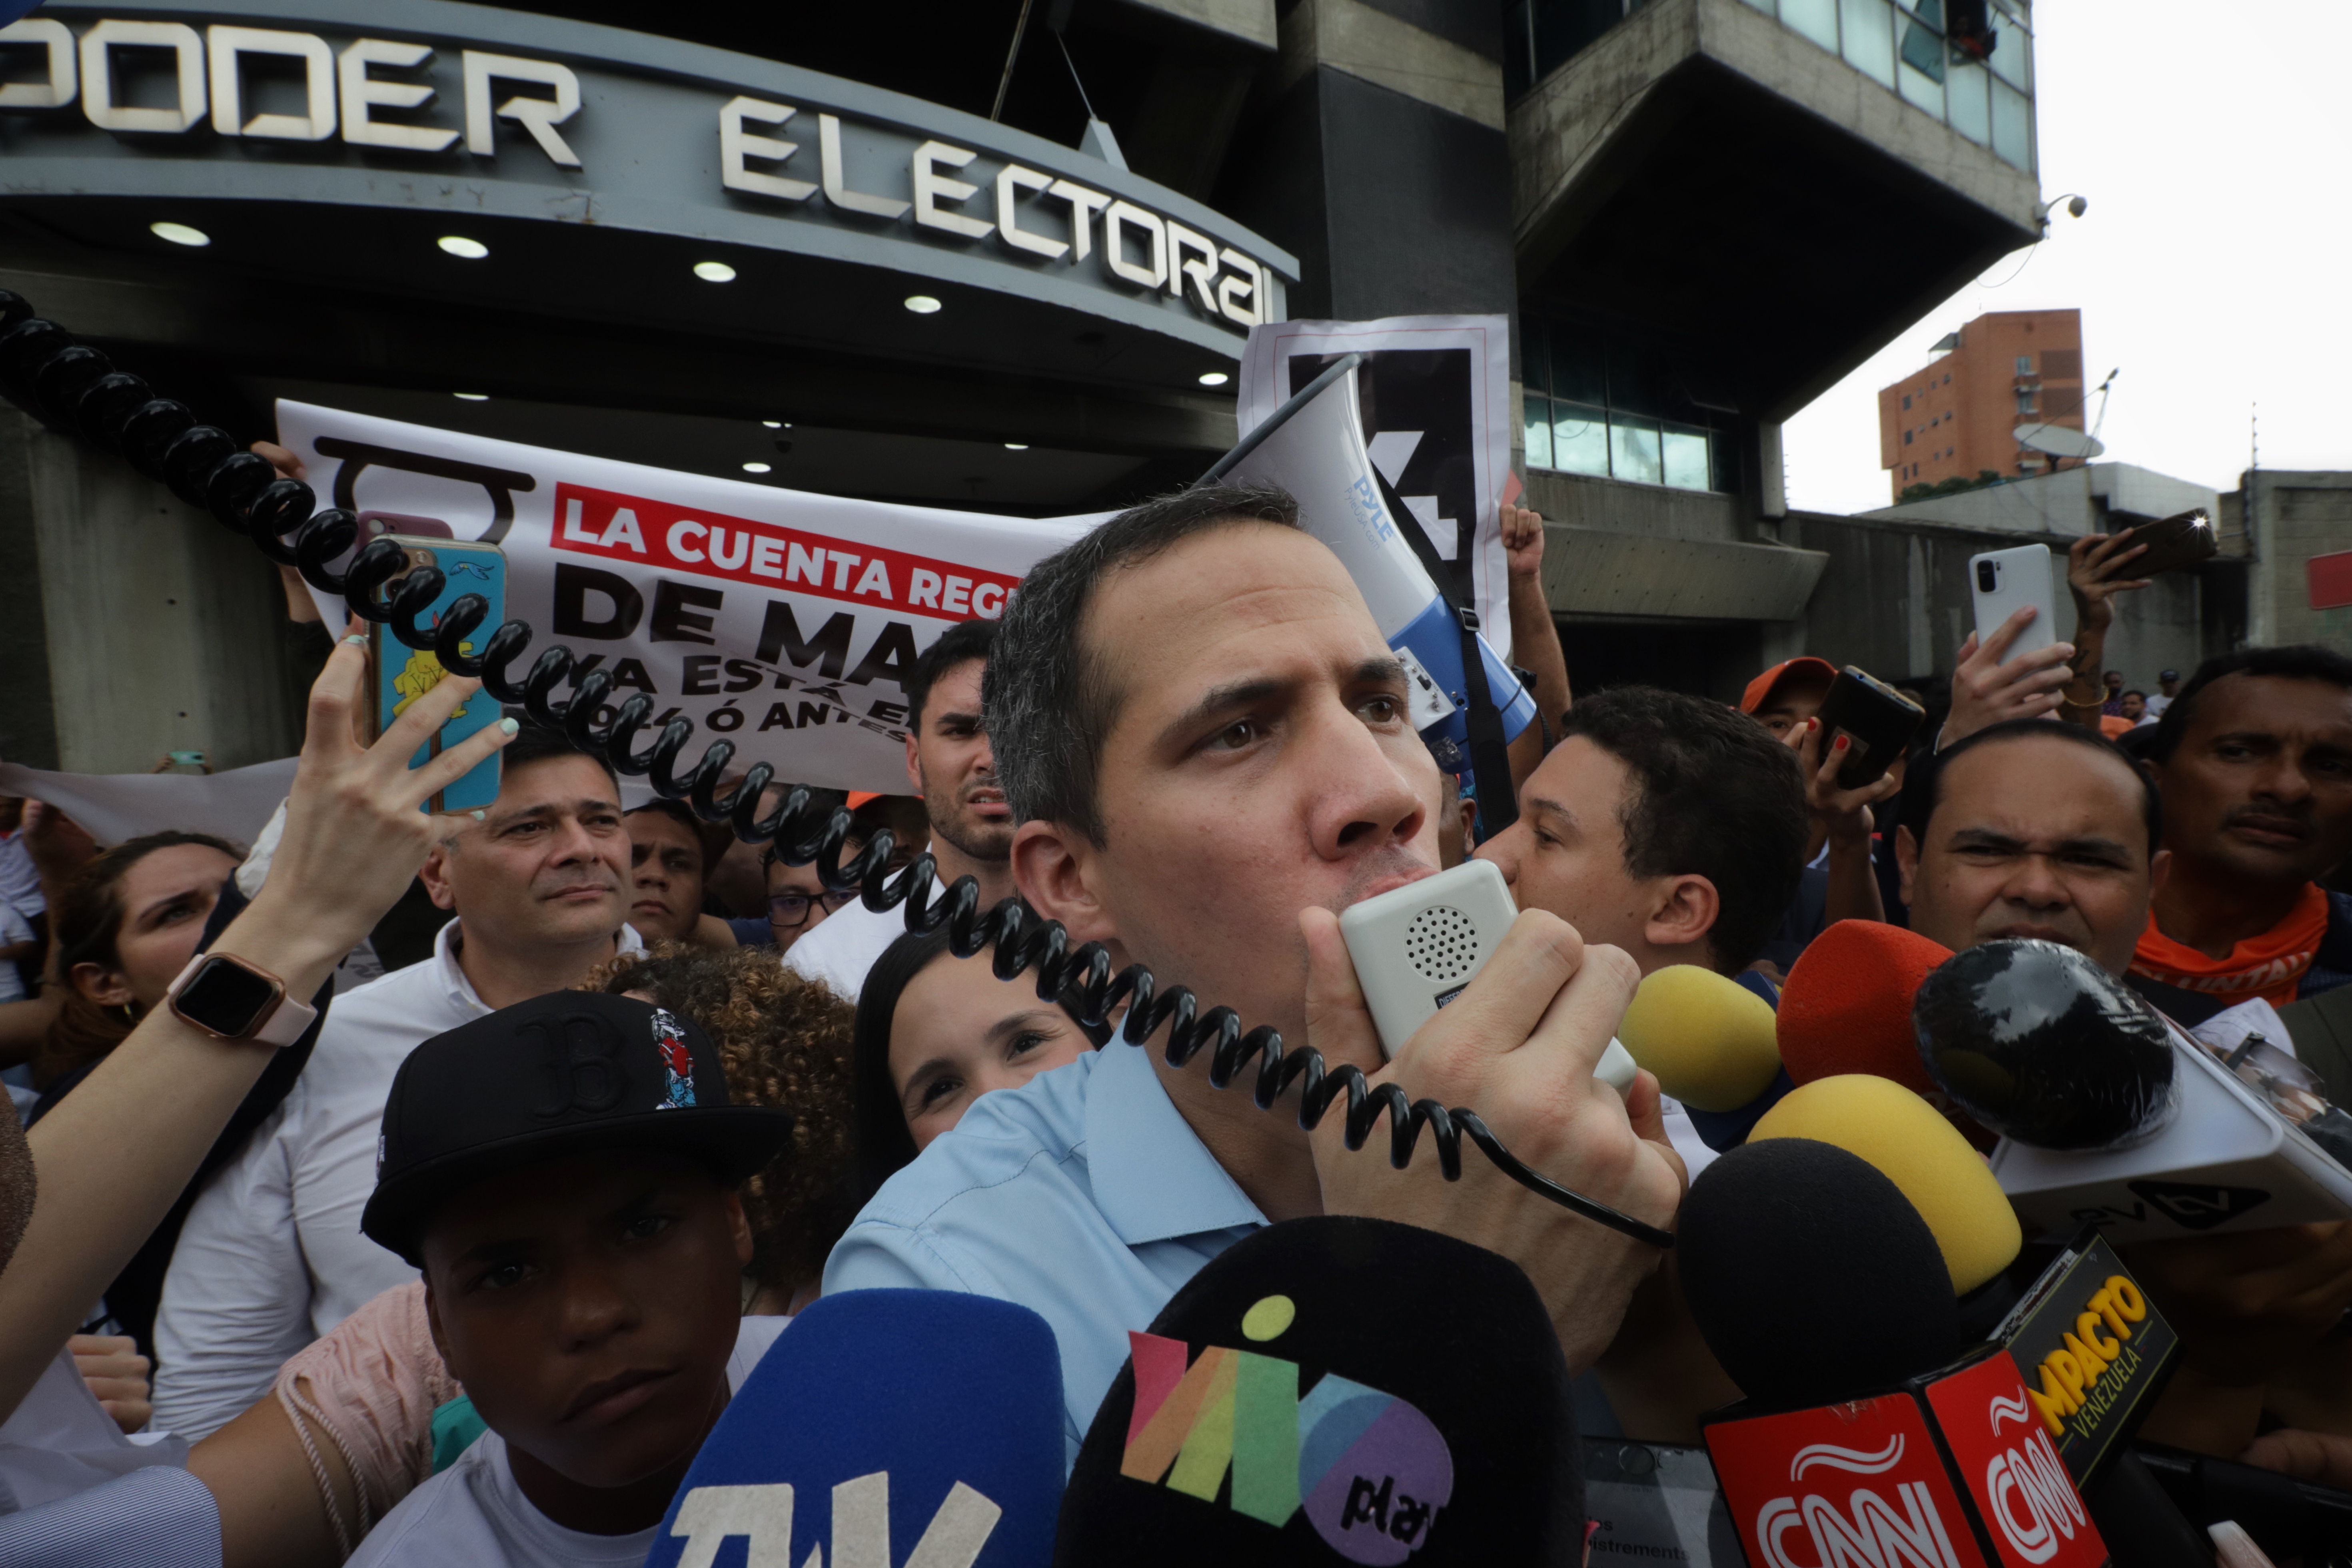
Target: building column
[(132, 625)]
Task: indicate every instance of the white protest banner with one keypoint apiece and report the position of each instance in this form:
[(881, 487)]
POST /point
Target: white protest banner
[(783, 621), (1435, 392)]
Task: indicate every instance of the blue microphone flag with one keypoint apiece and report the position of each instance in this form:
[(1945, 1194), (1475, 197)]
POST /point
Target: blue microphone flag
[(884, 1429)]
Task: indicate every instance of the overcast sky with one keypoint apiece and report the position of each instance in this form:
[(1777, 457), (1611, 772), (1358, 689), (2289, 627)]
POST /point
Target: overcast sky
[(2214, 267)]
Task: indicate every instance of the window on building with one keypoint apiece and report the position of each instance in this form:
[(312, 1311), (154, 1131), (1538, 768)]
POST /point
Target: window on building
[(1906, 403), (2024, 364), (1607, 408), (2025, 402), (1906, 438)]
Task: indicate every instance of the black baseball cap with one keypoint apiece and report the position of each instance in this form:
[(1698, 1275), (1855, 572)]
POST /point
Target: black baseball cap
[(556, 1076)]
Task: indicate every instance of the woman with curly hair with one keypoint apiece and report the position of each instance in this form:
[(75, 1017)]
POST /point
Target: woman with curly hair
[(362, 1417)]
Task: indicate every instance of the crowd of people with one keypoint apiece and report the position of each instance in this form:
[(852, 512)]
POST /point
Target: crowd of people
[(466, 1268)]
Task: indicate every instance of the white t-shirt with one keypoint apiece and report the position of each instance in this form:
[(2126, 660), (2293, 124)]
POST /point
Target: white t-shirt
[(475, 1513), (13, 928), (271, 1256), (845, 945), (2156, 704)]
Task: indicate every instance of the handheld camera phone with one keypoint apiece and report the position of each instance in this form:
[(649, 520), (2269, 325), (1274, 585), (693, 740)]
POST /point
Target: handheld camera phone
[(1876, 720), (1417, 947), (2003, 581), (2182, 540), (399, 674)]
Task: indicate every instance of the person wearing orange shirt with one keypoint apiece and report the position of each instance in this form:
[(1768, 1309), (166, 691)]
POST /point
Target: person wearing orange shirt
[(2255, 762)]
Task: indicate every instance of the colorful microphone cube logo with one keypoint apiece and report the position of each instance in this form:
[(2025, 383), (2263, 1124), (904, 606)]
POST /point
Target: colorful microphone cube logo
[(1370, 1471)]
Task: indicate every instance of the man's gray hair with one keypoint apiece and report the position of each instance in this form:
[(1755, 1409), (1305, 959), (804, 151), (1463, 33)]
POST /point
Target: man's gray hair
[(1049, 703)]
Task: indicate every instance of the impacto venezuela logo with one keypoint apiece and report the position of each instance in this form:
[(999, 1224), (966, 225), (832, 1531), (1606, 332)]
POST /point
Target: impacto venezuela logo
[(1370, 1470)]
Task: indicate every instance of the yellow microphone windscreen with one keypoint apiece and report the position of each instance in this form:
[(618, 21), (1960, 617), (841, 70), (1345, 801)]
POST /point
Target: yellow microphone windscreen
[(1709, 1039), (1918, 1149)]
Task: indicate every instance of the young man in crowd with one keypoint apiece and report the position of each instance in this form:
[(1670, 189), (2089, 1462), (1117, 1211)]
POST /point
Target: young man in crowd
[(949, 765), (271, 1256), (1666, 825), (2254, 760), (2047, 831), (2167, 687), (666, 870), (1206, 741), (582, 1258)]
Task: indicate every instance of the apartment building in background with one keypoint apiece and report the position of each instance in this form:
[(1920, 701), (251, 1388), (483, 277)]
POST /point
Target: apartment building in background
[(1957, 419)]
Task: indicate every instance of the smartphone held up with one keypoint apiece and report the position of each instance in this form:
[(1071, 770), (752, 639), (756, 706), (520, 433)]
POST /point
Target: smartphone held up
[(400, 674)]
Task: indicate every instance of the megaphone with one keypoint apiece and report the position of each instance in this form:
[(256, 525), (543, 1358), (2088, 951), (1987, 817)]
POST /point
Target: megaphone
[(1313, 447)]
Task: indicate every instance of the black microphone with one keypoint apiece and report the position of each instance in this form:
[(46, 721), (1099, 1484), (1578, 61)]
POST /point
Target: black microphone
[(2109, 1115), (1866, 1435), (1340, 1386)]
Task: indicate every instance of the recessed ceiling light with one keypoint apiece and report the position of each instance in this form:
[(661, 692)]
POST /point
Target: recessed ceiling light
[(921, 304), (773, 423), (714, 272), (471, 397), (755, 468), (459, 245), (1017, 446), (179, 233), (1214, 377)]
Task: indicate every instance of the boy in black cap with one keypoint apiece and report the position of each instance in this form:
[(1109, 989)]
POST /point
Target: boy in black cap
[(563, 1171)]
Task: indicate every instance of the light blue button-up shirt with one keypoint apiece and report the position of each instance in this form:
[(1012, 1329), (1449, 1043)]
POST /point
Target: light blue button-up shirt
[(1083, 1195)]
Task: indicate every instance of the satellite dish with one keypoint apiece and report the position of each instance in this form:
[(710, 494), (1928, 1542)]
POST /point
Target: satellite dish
[(2059, 441)]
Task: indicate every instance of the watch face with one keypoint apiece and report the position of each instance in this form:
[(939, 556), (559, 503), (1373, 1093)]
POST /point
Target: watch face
[(226, 998)]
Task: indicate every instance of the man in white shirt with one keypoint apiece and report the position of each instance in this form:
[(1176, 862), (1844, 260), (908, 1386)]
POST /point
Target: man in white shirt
[(271, 1256), (950, 767)]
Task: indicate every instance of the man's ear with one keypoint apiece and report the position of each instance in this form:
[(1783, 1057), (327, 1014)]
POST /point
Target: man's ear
[(434, 874), (2160, 871), (740, 1228), (1052, 866), (1685, 912), (1906, 864), (914, 767), (107, 987)]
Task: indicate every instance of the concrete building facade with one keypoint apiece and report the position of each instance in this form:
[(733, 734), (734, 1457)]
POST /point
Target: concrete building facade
[(1956, 418), (1698, 215)]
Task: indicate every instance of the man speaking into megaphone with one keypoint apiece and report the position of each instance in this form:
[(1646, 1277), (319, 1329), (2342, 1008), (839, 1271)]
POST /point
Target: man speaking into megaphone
[(1208, 742)]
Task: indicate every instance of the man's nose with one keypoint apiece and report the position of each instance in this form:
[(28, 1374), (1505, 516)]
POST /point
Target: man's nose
[(1359, 797), (2283, 782), (573, 842), (2037, 885)]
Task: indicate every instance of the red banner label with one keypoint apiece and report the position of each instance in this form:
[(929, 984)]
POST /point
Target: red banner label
[(1853, 1483), (2003, 1450), (707, 544)]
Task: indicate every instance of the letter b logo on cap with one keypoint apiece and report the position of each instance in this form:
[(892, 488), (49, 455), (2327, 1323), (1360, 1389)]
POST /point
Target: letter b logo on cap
[(579, 1065)]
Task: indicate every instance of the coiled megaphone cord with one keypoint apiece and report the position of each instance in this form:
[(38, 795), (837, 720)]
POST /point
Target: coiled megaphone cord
[(75, 388)]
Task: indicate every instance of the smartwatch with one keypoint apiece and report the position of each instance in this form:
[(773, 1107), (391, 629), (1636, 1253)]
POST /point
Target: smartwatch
[(229, 998)]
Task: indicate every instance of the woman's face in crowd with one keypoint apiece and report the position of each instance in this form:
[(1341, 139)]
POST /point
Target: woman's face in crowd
[(165, 899), (960, 1033)]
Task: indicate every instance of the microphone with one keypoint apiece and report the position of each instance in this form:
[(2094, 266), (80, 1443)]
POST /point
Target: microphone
[(1708, 1038), (1847, 1009), (1908, 1142), (1863, 1436), (1341, 1386), (883, 1423), (2109, 1114)]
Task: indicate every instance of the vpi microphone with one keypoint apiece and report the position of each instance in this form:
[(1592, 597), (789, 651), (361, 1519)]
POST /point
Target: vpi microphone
[(2109, 1115), (1417, 947), (883, 1423)]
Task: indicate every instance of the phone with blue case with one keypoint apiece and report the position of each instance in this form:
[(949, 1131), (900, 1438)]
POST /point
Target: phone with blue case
[(399, 675)]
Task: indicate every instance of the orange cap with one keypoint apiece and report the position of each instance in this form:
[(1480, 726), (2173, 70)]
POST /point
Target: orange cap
[(859, 797), (1761, 686)]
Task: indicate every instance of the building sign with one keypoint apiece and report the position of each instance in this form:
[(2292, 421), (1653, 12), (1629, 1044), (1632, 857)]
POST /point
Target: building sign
[(485, 111)]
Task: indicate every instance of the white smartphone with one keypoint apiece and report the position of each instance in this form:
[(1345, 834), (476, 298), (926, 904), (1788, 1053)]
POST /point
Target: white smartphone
[(1418, 947), (2004, 582)]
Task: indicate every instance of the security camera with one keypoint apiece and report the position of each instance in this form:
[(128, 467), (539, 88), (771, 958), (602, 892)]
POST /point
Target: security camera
[(2078, 206)]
